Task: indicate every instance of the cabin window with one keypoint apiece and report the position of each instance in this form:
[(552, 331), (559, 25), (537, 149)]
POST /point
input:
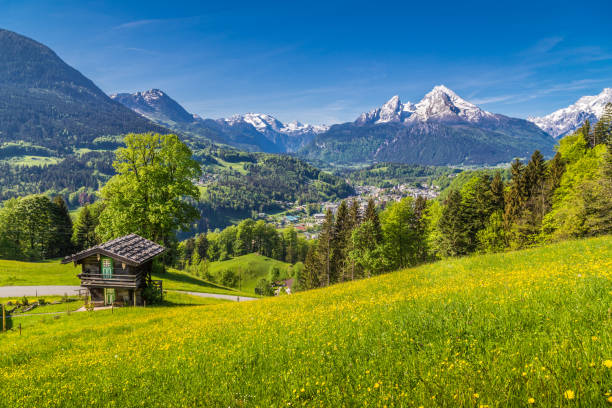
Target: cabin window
[(107, 268)]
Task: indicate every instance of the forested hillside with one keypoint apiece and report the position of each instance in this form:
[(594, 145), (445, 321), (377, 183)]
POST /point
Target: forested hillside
[(568, 196), (49, 104)]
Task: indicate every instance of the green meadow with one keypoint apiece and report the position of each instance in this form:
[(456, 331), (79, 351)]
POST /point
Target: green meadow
[(528, 328)]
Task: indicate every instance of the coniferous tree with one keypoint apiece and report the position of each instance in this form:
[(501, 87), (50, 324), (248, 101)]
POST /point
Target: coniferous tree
[(311, 274), (516, 194), (291, 245), (188, 249), (598, 199), (201, 246), (84, 230), (556, 168), (497, 192), (354, 214), (325, 250), (372, 215), (585, 129), (420, 227), (342, 231), (62, 228), (527, 225), (454, 231)]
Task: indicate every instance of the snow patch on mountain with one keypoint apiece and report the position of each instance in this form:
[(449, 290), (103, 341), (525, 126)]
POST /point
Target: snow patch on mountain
[(266, 123), (440, 103), (567, 120)]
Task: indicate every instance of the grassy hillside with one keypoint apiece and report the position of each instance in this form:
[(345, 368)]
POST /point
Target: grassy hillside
[(51, 272), (494, 330), (252, 268)]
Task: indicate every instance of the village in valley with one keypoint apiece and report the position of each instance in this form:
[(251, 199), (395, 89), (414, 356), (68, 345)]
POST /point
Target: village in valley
[(307, 222)]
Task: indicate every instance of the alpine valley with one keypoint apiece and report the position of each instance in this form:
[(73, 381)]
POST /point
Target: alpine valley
[(441, 129)]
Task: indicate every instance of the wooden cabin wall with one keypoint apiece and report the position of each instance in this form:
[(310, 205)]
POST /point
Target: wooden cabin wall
[(91, 264)]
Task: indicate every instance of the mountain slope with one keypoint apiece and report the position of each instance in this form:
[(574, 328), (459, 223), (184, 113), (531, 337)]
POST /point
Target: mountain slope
[(156, 106), (567, 120), (46, 102), (490, 330), (251, 131), (441, 129)]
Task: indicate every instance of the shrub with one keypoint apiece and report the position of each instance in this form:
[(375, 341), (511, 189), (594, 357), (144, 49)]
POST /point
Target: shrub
[(152, 295), (229, 278)]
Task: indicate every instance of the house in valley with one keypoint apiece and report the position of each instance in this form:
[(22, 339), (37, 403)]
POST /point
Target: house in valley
[(116, 272)]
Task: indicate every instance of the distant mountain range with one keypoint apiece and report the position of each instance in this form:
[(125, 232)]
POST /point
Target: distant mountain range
[(46, 103), (440, 129), (566, 120), (252, 131)]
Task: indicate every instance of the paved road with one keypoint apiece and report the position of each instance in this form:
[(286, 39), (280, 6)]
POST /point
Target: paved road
[(217, 296), (18, 291)]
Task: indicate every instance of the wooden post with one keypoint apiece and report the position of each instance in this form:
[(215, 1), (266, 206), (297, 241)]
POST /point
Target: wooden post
[(134, 293), (3, 318)]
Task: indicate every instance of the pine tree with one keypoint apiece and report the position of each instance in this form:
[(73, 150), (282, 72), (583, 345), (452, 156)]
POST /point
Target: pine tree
[(497, 192), (84, 230), (309, 278), (354, 213), (201, 246), (372, 215), (585, 129), (453, 227), (598, 199), (342, 231), (189, 248), (420, 227), (325, 249), (516, 194), (605, 126), (556, 168), (62, 228)]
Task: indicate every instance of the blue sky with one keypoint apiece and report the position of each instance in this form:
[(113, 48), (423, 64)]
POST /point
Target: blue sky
[(326, 62)]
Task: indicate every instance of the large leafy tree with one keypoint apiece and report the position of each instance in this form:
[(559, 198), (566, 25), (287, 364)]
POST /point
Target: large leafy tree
[(150, 193)]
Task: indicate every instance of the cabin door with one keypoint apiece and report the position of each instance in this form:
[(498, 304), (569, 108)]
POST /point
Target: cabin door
[(109, 296), (107, 268)]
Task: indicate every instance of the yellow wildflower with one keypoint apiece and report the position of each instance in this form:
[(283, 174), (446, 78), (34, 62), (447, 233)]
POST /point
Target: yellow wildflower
[(569, 394)]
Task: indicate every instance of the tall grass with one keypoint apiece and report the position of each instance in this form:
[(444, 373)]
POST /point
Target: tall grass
[(496, 330)]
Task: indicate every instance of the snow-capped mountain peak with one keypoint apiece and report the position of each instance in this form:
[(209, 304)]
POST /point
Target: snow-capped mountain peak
[(392, 111), (443, 103), (567, 120), (267, 123), (155, 105), (440, 103)]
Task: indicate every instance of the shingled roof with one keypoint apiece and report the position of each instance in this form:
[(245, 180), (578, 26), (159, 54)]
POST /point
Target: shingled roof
[(132, 249)]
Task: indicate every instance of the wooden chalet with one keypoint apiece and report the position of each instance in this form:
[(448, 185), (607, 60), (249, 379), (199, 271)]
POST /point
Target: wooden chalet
[(116, 272)]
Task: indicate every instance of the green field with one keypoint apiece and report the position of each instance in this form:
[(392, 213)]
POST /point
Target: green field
[(494, 330), (251, 267), (51, 272)]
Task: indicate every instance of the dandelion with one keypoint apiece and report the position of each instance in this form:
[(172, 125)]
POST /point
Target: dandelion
[(569, 394), (476, 395), (607, 363), (531, 400)]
